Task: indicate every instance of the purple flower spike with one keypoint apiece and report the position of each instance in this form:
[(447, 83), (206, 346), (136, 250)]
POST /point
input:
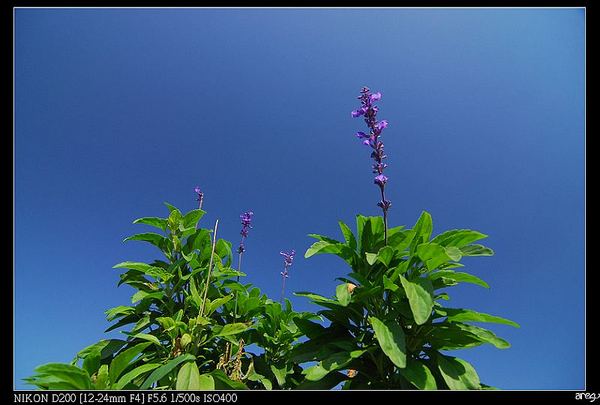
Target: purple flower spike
[(369, 111), (381, 180), (288, 257), (246, 219), (200, 196)]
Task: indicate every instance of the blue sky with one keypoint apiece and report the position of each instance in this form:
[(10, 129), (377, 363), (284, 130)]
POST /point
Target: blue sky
[(120, 110)]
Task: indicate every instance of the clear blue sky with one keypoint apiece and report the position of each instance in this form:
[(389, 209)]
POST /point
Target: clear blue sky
[(119, 110)]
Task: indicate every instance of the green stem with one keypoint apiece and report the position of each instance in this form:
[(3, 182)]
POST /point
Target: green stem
[(212, 255), (236, 291)]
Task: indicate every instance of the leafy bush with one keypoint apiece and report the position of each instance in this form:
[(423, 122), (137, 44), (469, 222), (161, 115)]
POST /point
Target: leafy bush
[(191, 321)]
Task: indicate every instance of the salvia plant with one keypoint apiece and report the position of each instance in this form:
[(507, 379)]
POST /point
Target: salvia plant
[(192, 325)]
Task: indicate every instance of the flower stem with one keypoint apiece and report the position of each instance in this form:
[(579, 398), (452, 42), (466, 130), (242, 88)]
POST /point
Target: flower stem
[(282, 289), (236, 291), (212, 255), (384, 209)]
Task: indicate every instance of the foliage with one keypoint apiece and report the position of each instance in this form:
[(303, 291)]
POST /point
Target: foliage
[(388, 328)]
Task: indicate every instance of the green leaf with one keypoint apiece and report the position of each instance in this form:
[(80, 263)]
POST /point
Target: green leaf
[(191, 219), (333, 362), (458, 277), (150, 338), (152, 271), (102, 381), (434, 255), (385, 255), (91, 363), (458, 374), (420, 298), (476, 250), (483, 335), (214, 305), (189, 378), (389, 284), (106, 348), (314, 297), (151, 237), (391, 339), (143, 295), (348, 235), (222, 382), (156, 222), (342, 294), (136, 372), (280, 374), (170, 207), (166, 369), (232, 329), (458, 237), (419, 375), (321, 247), (423, 229), (122, 360), (326, 383), (115, 312), (371, 258), (64, 376), (310, 329), (467, 315)]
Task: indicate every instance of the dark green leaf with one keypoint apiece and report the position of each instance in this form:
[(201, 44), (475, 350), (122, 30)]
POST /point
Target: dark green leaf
[(122, 360), (458, 374), (232, 329), (130, 376), (348, 235), (68, 376), (166, 369), (191, 219), (222, 382), (391, 339), (419, 375), (151, 237), (420, 298)]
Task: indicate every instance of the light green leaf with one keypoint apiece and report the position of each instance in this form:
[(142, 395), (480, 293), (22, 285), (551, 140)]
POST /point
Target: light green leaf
[(232, 329), (189, 378), (434, 255), (150, 338), (166, 369), (371, 258), (321, 247), (420, 298), (156, 222), (150, 237), (483, 335), (152, 271), (141, 295), (476, 250), (385, 255), (422, 229), (348, 235), (279, 374), (122, 360), (467, 315), (458, 237), (391, 339), (389, 284), (458, 374), (102, 381), (419, 375), (342, 294), (118, 311), (458, 277), (136, 372), (214, 305), (191, 218), (65, 376)]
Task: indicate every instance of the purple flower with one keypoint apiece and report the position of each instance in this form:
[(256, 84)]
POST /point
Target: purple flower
[(288, 257), (359, 112), (375, 97), (361, 135), (246, 219), (382, 125), (381, 180)]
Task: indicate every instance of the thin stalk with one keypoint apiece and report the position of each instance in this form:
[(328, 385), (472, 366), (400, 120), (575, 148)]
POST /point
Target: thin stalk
[(385, 226), (236, 291), (282, 289), (212, 255)]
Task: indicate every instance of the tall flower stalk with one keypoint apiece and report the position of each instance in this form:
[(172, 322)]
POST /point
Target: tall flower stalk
[(200, 198), (246, 219), (288, 259), (369, 111)]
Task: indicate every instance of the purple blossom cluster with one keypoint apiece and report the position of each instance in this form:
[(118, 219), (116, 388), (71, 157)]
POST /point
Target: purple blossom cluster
[(288, 258), (246, 219), (369, 111)]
